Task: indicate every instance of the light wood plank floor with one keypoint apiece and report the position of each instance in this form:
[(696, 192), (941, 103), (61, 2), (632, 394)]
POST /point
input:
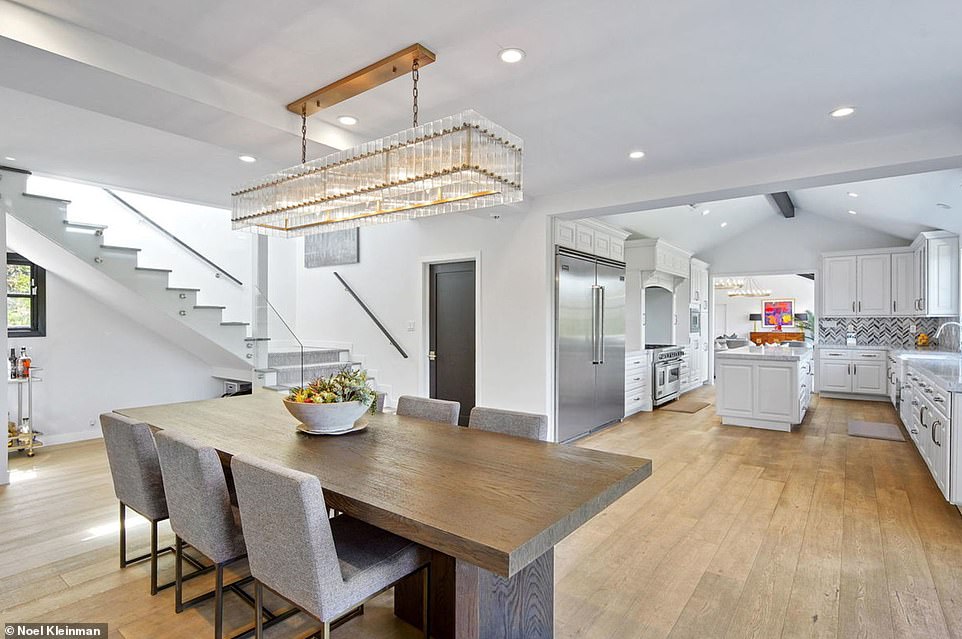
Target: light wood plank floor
[(738, 533)]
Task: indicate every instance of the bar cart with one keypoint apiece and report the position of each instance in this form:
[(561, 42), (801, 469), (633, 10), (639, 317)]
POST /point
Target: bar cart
[(25, 438)]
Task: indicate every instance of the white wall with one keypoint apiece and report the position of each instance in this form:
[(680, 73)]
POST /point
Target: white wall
[(737, 309), (95, 360), (514, 332), (4, 477), (791, 245)]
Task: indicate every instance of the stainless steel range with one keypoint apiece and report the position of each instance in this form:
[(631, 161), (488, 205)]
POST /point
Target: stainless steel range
[(667, 364)]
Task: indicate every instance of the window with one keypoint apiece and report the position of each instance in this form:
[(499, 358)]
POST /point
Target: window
[(26, 298)]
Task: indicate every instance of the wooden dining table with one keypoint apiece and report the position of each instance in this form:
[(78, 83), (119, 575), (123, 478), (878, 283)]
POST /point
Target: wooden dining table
[(490, 507)]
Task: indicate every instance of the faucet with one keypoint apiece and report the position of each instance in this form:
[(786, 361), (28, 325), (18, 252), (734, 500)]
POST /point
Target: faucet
[(939, 332)]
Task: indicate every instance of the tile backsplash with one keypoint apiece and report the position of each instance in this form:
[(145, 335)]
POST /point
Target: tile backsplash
[(894, 331)]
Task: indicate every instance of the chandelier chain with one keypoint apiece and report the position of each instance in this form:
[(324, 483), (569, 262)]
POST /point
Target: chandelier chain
[(415, 66), (304, 133)]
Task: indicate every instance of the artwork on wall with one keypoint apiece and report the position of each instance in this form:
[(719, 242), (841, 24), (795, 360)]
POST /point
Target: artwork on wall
[(332, 249), (778, 314)]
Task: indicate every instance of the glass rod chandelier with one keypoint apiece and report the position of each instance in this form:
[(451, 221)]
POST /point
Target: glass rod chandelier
[(750, 289), (458, 163)]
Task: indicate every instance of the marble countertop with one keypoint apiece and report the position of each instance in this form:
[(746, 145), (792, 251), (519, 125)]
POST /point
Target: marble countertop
[(770, 353), (857, 347), (945, 372), (893, 349)]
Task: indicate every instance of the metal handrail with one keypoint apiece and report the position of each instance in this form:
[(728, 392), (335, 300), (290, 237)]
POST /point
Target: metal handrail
[(176, 239), (394, 342)]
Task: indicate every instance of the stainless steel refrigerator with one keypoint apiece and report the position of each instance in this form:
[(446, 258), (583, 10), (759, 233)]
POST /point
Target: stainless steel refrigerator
[(590, 343)]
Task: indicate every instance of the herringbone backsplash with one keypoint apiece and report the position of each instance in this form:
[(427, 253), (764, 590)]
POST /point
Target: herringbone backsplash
[(887, 331)]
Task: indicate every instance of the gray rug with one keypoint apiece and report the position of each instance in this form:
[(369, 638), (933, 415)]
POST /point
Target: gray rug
[(875, 430), (685, 406)]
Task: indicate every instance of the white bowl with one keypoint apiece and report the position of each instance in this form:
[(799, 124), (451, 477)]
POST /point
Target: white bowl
[(326, 418)]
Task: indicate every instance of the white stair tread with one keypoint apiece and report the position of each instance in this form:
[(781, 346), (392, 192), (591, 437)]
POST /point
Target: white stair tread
[(109, 247), (84, 225)]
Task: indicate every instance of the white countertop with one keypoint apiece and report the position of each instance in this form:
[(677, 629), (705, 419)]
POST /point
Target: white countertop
[(770, 353), (946, 372)]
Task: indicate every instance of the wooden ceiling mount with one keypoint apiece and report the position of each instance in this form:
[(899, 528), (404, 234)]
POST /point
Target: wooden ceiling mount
[(395, 65)]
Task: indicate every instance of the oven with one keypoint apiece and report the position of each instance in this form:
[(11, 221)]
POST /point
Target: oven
[(666, 380), (694, 320)]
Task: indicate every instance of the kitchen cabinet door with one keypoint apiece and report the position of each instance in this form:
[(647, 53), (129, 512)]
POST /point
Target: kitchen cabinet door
[(736, 388), (939, 458), (778, 393), (834, 376), (874, 275), (920, 266), (869, 377), (942, 277), (903, 284), (839, 286)]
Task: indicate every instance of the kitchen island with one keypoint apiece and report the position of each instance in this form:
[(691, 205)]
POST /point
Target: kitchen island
[(766, 387)]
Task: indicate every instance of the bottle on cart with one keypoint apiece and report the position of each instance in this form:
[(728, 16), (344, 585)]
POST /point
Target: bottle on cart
[(12, 364), (24, 363)]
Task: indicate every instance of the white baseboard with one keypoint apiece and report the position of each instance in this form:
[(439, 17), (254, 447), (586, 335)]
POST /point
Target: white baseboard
[(69, 438)]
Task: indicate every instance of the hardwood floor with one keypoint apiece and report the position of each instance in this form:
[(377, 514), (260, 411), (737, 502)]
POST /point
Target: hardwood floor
[(738, 533)]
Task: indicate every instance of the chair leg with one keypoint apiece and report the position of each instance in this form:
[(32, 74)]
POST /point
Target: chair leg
[(426, 601), (258, 610), (179, 575), (123, 535), (325, 631), (153, 557), (219, 602)]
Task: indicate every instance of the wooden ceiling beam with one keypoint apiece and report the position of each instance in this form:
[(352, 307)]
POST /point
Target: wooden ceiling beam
[(393, 66)]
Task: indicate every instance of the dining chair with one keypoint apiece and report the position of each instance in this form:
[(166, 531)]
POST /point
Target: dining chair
[(509, 422), (201, 514), (138, 485), (434, 410), (326, 567)]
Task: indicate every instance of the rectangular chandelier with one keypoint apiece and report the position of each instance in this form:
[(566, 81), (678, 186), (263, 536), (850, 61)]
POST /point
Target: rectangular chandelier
[(458, 163)]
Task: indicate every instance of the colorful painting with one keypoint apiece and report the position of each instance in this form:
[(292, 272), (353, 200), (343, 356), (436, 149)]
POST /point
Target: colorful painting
[(778, 313)]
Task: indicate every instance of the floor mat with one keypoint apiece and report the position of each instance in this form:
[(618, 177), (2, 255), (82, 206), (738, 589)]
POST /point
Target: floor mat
[(685, 406), (875, 430)]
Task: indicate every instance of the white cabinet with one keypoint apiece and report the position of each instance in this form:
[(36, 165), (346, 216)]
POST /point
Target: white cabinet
[(592, 237), (637, 382), (860, 372), (699, 284), (874, 284), (736, 383), (937, 279), (929, 419), (772, 401), (762, 391), (658, 255), (839, 286), (903, 283)]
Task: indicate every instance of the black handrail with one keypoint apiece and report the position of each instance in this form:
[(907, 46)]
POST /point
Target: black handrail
[(174, 238), (347, 287)]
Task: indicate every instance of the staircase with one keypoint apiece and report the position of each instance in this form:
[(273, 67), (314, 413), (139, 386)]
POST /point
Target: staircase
[(317, 363)]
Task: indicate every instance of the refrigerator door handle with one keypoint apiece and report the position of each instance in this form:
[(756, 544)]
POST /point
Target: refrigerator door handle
[(596, 319), (601, 326)]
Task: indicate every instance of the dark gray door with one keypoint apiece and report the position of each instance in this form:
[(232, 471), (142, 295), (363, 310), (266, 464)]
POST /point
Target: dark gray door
[(452, 334)]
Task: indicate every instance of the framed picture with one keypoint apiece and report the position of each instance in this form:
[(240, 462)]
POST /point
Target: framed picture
[(777, 313)]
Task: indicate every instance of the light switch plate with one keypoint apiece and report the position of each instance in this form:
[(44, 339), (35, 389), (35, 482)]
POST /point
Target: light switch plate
[(411, 326)]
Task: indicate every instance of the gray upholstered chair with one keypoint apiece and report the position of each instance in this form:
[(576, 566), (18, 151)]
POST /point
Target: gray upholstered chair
[(138, 484), (326, 567), (509, 422), (202, 515), (435, 410)]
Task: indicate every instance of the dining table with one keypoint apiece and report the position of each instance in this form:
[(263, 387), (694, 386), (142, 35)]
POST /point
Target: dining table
[(490, 507)]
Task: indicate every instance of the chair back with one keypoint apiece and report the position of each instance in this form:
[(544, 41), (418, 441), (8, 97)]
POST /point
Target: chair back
[(509, 422), (134, 466), (197, 497), (290, 546), (434, 410)]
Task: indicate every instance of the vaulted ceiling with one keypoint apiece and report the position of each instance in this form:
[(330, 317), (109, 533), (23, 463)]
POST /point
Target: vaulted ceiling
[(162, 96)]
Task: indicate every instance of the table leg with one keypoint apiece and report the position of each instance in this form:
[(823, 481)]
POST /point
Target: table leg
[(469, 602)]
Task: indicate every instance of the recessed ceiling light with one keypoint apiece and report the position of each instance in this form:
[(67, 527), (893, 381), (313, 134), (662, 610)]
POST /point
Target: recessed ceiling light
[(724, 224), (852, 194), (511, 55), (943, 205), (852, 212), (706, 212), (347, 120), (10, 159), (842, 112), (247, 158), (636, 155)]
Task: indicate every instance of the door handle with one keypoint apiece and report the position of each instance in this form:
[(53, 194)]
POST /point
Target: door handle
[(432, 355), (853, 307), (860, 306), (596, 319)]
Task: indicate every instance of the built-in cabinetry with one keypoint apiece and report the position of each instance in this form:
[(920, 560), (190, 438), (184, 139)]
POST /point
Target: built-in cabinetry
[(763, 388), (660, 256), (928, 416), (592, 237), (919, 281), (853, 372), (637, 382), (699, 285)]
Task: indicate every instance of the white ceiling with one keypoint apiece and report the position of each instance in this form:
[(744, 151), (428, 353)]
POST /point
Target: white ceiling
[(694, 84), (900, 206)]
